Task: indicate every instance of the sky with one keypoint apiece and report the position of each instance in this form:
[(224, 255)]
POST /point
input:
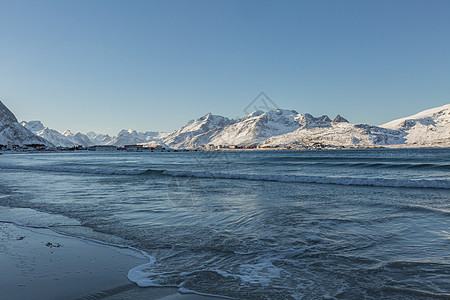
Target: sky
[(153, 65)]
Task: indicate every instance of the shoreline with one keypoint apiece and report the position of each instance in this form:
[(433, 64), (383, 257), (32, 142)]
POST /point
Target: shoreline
[(44, 264), (337, 148)]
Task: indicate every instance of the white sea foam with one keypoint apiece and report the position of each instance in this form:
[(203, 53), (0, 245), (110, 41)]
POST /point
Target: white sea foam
[(260, 273), (186, 291), (141, 275)]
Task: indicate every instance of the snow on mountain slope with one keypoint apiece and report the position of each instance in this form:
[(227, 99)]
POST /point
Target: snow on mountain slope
[(68, 139), (427, 128), (338, 134), (78, 139), (132, 137), (82, 140), (257, 127), (98, 139), (126, 137), (33, 126), (197, 132), (56, 138), (11, 132), (270, 129)]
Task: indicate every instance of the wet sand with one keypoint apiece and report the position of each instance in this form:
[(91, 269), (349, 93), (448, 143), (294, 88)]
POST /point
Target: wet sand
[(42, 264)]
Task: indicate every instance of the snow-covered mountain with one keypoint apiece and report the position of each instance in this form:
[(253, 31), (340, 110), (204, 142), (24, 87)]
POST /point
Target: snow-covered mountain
[(98, 139), (257, 127), (287, 127), (132, 137), (11, 132), (338, 134), (68, 139), (78, 139), (65, 139), (56, 138), (278, 127), (427, 128), (272, 129), (33, 126), (198, 132), (51, 135)]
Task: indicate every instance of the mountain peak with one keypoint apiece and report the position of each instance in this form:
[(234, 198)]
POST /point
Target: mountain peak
[(340, 119), (6, 114), (33, 126), (67, 133)]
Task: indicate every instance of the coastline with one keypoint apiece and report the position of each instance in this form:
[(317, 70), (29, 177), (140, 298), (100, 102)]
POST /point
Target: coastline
[(43, 264), (383, 147)]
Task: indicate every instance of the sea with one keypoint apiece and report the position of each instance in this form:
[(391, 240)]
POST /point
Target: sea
[(329, 224)]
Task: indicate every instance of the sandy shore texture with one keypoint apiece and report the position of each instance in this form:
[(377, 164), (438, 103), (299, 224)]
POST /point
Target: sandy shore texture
[(42, 264)]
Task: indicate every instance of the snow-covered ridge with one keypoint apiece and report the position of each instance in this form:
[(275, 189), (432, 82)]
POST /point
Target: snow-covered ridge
[(33, 126), (69, 139), (12, 133), (198, 132), (133, 137), (430, 127)]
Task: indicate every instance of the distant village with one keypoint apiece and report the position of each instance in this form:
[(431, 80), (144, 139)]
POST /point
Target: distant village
[(42, 147), (160, 148)]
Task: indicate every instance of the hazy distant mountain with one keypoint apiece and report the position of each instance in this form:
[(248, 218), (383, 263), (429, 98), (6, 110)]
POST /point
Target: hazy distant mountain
[(51, 135), (68, 139), (131, 137), (78, 139), (427, 128), (33, 126), (98, 139), (11, 132)]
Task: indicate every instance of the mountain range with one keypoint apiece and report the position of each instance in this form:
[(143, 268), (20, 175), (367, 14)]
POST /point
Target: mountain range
[(271, 129)]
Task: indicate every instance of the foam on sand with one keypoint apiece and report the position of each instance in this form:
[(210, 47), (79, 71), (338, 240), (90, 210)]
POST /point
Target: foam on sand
[(42, 264)]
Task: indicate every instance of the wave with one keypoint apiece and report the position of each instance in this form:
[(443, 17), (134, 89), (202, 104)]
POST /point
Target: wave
[(334, 158), (377, 182), (351, 181), (375, 165), (77, 170)]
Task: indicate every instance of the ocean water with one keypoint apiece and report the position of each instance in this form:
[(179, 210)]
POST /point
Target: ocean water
[(332, 224)]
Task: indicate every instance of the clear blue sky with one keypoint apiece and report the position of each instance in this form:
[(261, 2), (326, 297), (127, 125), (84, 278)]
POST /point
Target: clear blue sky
[(153, 65)]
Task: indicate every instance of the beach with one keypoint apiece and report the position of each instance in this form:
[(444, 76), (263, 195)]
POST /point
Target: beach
[(39, 263)]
